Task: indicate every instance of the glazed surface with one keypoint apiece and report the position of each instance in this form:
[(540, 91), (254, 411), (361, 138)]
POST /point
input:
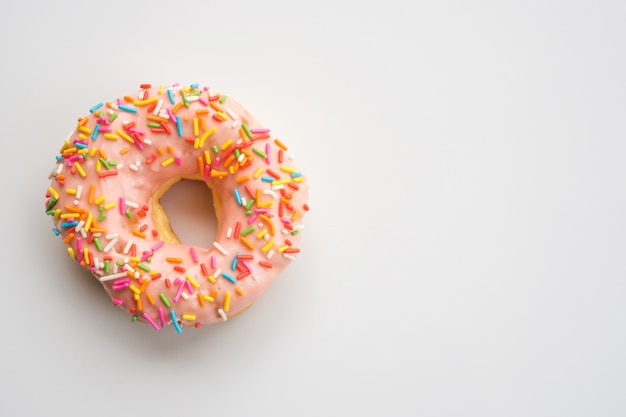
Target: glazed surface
[(125, 154)]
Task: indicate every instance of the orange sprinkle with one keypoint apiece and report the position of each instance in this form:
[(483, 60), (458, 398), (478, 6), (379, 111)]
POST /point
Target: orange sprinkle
[(280, 145), (150, 298), (174, 260), (246, 242), (68, 238), (200, 300), (239, 291), (241, 179), (139, 234), (200, 165), (177, 107), (269, 222), (216, 106), (92, 190), (124, 151)]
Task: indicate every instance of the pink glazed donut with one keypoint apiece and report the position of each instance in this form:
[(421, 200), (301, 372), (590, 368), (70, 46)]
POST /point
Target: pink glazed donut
[(105, 194)]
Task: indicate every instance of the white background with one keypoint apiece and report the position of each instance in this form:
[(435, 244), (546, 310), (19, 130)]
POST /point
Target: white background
[(465, 250)]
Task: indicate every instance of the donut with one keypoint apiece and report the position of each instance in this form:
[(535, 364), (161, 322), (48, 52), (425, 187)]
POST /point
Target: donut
[(125, 154)]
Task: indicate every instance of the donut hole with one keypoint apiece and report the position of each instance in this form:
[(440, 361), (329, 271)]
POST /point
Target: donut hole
[(188, 205)]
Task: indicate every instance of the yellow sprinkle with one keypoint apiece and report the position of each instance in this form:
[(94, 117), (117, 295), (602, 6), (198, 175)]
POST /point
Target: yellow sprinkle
[(208, 298), (88, 222), (227, 301), (295, 214), (211, 279), (111, 136), (86, 255), (281, 182), (167, 162), (80, 169), (196, 131), (226, 144), (189, 317), (239, 291), (221, 115), (196, 143), (70, 252), (125, 136), (98, 166), (54, 193), (298, 179), (258, 173), (100, 199), (205, 135), (146, 102), (93, 151), (135, 259), (269, 203), (57, 214), (287, 169), (246, 242), (82, 136), (109, 206), (134, 289), (160, 89), (192, 281), (207, 157), (267, 246), (282, 248), (85, 130), (261, 234), (66, 145), (70, 191)]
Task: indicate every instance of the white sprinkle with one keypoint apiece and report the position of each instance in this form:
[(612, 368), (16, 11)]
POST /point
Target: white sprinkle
[(96, 234), (299, 227), (270, 254), (127, 247), (111, 236), (270, 192), (120, 166), (113, 108), (163, 115), (217, 273), (254, 277), (184, 295), (220, 248), (109, 245), (242, 156), (112, 276), (222, 314), (266, 236), (79, 226), (79, 191), (137, 275), (147, 141), (175, 87), (116, 268), (231, 113), (289, 256), (126, 259), (83, 234), (210, 92), (235, 124), (193, 98), (131, 204), (75, 202), (134, 168), (96, 262), (229, 232), (285, 232), (243, 201), (129, 268), (278, 187), (157, 109)]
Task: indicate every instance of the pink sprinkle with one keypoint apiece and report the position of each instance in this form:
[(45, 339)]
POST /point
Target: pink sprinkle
[(179, 161), (207, 172), (120, 287), (122, 206), (161, 317), (203, 102), (188, 286), (217, 162), (247, 265), (121, 281), (259, 131), (118, 101), (172, 117), (252, 219), (105, 130), (194, 256), (285, 220), (146, 256), (267, 152), (175, 84), (213, 261), (117, 301), (181, 286), (149, 320), (177, 281), (158, 245), (260, 211)]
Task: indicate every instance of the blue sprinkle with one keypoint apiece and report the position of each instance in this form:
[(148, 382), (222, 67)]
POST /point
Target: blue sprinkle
[(171, 96), (267, 179), (128, 109), (237, 196), (179, 126), (96, 107), (95, 132), (175, 322), (194, 85), (296, 174), (59, 158), (67, 225), (228, 277), (233, 264), (56, 231), (80, 145)]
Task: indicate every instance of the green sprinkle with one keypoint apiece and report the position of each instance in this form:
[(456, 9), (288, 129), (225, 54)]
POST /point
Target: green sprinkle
[(128, 214), (247, 231), (259, 152), (153, 124), (185, 102), (165, 300), (245, 129), (50, 212), (195, 93), (100, 208), (142, 266), (215, 149), (249, 203), (134, 318), (103, 162), (51, 203), (237, 153), (107, 266), (222, 99), (112, 163), (102, 217), (248, 212), (295, 232), (112, 117), (119, 263), (97, 243)]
